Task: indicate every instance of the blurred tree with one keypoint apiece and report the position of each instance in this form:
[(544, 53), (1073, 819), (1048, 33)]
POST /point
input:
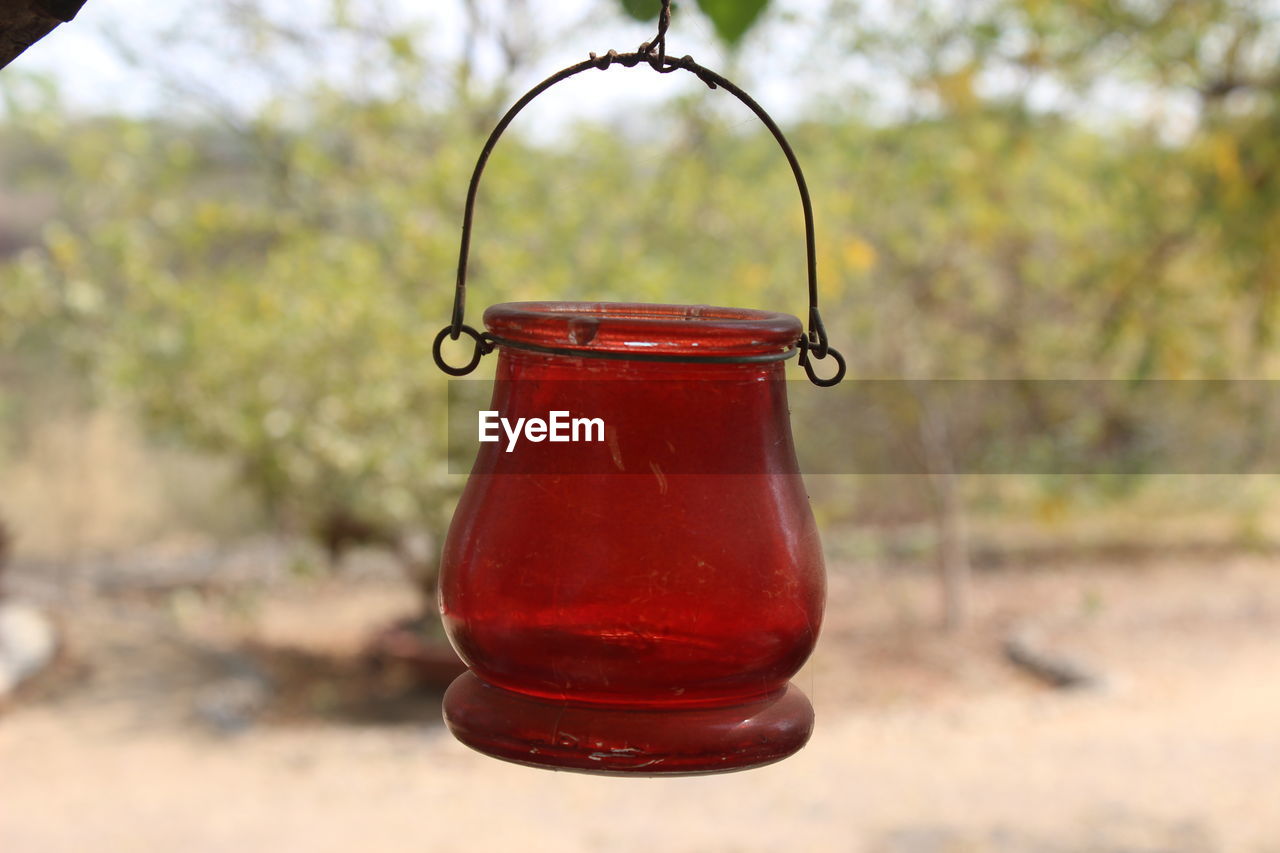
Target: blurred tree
[(266, 284), (1009, 241)]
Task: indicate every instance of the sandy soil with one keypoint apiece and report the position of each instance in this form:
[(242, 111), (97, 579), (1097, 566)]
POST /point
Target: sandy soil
[(924, 743)]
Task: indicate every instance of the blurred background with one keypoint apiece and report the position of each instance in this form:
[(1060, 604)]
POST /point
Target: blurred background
[(228, 234)]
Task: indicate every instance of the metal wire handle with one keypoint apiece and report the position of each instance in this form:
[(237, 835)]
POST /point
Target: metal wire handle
[(813, 345)]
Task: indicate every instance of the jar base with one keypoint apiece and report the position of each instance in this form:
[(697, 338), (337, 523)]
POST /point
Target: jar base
[(622, 741)]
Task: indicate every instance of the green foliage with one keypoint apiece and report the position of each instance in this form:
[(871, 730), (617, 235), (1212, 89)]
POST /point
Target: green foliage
[(732, 19), (642, 10), (270, 291), (272, 294)]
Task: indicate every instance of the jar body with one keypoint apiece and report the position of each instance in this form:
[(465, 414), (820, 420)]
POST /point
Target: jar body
[(675, 562)]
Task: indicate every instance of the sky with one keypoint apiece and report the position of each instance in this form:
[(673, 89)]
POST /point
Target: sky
[(803, 74), (84, 56)]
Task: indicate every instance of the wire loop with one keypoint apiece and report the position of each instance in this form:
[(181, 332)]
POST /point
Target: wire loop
[(483, 346), (809, 353)]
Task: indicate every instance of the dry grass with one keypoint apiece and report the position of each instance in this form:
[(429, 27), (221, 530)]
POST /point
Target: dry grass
[(89, 485)]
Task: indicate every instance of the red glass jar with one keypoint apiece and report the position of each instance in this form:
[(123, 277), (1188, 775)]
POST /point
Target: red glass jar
[(636, 604)]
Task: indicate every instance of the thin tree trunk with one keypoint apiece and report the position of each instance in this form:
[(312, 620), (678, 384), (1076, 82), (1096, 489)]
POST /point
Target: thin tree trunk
[(25, 22), (954, 569), (952, 553)]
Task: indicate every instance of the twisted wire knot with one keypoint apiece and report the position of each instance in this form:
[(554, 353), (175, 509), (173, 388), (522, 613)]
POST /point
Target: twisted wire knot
[(660, 41), (655, 54), (664, 65)]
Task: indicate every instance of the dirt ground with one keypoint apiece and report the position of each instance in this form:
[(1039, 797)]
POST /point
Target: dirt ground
[(202, 721)]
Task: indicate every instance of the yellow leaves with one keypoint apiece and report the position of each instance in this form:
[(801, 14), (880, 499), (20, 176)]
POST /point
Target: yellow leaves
[(65, 249), (859, 256), (1052, 508), (753, 278), (209, 215), (1224, 154), (956, 89), (839, 264)]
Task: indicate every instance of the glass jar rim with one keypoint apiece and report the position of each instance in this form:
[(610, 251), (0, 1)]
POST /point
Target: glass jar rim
[(640, 330)]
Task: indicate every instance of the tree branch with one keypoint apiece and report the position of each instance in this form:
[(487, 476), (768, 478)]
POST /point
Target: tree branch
[(25, 22)]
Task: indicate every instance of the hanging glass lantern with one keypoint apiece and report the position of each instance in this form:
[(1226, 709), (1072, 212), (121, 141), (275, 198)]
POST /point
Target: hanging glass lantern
[(635, 601)]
